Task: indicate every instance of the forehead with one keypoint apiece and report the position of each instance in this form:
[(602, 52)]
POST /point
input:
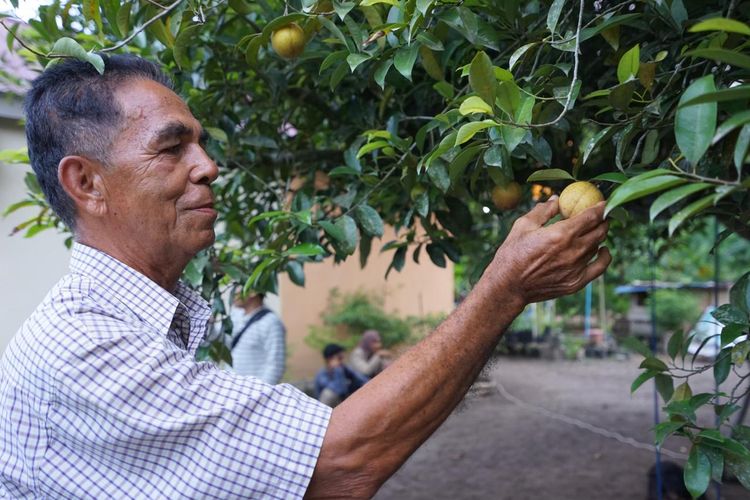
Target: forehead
[(147, 105)]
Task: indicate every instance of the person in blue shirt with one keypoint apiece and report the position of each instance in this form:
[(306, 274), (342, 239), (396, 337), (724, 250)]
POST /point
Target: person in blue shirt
[(336, 381)]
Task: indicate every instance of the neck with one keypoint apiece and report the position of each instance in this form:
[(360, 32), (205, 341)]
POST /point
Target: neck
[(161, 269)]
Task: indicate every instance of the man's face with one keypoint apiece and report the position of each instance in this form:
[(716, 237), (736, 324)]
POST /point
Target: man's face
[(158, 183)]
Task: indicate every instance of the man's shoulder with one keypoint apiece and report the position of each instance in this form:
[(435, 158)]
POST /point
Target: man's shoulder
[(75, 310)]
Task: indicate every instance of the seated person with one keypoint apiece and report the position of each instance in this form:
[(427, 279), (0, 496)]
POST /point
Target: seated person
[(336, 381), (369, 358)]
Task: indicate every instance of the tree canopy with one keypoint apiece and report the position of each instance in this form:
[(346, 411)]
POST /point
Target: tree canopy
[(409, 113)]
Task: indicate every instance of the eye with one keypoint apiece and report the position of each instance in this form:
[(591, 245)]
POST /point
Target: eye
[(172, 150)]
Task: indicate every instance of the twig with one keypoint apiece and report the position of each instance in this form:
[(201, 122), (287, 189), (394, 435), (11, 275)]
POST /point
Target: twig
[(145, 25), (21, 42), (576, 59)]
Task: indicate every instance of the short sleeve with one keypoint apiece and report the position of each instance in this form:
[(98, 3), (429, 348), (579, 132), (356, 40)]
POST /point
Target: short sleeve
[(138, 416)]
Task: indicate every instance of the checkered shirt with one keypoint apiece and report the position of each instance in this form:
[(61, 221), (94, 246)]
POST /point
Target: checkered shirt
[(101, 397)]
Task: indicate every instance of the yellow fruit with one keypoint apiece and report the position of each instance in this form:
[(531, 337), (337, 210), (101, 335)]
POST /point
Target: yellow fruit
[(578, 197), (288, 41), (507, 196)]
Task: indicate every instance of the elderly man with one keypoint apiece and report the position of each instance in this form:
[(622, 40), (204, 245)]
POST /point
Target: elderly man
[(100, 394)]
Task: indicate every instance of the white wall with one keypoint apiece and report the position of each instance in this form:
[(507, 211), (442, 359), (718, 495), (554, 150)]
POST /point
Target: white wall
[(28, 267)]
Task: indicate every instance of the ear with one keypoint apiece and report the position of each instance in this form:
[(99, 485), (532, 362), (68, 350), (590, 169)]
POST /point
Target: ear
[(82, 179)]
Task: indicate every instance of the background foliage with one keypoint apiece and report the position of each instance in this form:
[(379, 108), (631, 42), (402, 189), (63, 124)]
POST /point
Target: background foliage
[(409, 112)]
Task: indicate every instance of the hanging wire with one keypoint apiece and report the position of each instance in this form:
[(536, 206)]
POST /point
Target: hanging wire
[(653, 342), (717, 277)]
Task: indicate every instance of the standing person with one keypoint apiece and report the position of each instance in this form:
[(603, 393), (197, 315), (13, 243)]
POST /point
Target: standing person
[(100, 392), (369, 358), (258, 339), (336, 381)]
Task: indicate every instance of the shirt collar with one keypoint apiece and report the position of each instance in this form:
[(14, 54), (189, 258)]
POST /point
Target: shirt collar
[(146, 299)]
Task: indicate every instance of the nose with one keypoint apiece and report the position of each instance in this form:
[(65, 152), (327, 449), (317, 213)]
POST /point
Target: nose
[(204, 169)]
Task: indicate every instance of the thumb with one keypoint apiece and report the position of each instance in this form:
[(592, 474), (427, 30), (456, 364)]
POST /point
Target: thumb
[(543, 212)]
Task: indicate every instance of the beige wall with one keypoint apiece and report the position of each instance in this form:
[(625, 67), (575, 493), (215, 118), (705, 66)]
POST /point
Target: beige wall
[(417, 290), (28, 267)]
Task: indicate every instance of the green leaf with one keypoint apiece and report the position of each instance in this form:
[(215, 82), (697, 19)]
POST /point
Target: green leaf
[(518, 54), (728, 314), (739, 294), (509, 97), (654, 364), (281, 21), (665, 429), (638, 187), (331, 59), (642, 379), (437, 256), (721, 24), (382, 71), (739, 467), (70, 48), (366, 3), (217, 134), (669, 198), (550, 174), (695, 125), (674, 346), (614, 177), (91, 12), (251, 51), (181, 44), (469, 130), (371, 146), (721, 55), (739, 93), (405, 58), (734, 121), (306, 250), (593, 142), (423, 6), (697, 471), (482, 77), (665, 386), (553, 15), (629, 63), (474, 104), (730, 333), (636, 345), (689, 211), (682, 392), (296, 272), (369, 220), (356, 59), (438, 174), (399, 258), (123, 18), (335, 31), (445, 89), (722, 367), (741, 148)]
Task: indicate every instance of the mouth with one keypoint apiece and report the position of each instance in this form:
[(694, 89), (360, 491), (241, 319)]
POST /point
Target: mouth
[(206, 208)]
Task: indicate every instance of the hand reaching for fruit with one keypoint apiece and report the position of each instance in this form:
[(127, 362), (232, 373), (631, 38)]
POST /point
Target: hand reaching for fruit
[(541, 262)]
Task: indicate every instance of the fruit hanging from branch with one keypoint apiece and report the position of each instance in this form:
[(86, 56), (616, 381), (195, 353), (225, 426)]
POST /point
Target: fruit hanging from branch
[(578, 197), (288, 41)]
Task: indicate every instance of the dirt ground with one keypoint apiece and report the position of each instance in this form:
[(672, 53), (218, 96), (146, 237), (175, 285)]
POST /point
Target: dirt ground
[(529, 448)]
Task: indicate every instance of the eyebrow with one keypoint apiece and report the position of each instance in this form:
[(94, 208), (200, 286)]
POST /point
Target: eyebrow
[(176, 130)]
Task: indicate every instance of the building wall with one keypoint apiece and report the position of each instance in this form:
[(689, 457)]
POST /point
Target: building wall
[(28, 267), (417, 290)]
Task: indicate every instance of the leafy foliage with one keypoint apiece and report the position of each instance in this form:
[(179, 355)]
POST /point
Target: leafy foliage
[(408, 112), (349, 315)]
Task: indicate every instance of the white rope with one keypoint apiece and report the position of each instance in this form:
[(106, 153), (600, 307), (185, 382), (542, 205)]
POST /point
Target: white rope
[(586, 426)]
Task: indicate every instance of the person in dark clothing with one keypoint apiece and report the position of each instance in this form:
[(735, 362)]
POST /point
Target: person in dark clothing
[(336, 381)]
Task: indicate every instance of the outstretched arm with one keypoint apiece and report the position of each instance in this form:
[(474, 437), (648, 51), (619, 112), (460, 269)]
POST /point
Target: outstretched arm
[(372, 433)]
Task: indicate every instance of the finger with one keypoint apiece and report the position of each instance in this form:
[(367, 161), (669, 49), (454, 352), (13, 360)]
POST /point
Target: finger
[(543, 212), (596, 268), (586, 220)]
